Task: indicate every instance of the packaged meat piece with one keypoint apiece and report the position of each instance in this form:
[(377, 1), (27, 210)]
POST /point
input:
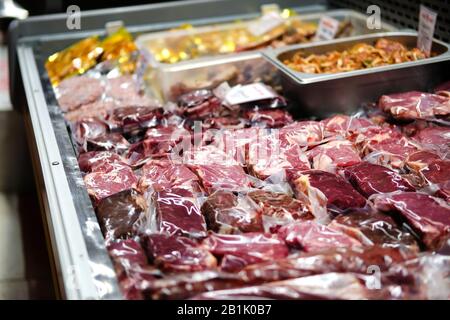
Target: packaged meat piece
[(340, 259), (370, 178), (310, 236), (434, 138), (88, 129), (443, 89), (428, 216), (177, 213), (75, 92), (272, 118), (209, 155), (279, 209), (334, 190), (97, 109), (133, 119), (230, 123), (249, 248), (216, 176), (228, 213), (131, 266), (97, 161), (332, 155), (415, 105), (199, 104), (391, 152), (177, 254), (163, 174), (118, 213), (101, 185), (437, 176), (303, 133), (125, 92), (267, 157), (374, 228), (335, 286), (344, 125), (421, 159), (108, 142), (186, 285)]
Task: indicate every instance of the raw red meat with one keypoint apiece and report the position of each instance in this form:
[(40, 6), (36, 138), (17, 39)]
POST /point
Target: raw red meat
[(443, 89), (341, 259), (344, 125), (230, 123), (199, 104), (186, 285), (118, 213), (437, 175), (132, 119), (180, 254), (338, 192), (271, 118), (332, 155), (335, 286), (87, 129), (374, 228), (429, 217), (370, 178), (177, 213), (131, 267), (163, 174), (415, 105), (393, 152), (226, 212), (108, 142), (310, 236), (303, 133), (97, 109), (279, 209), (421, 159), (434, 138), (77, 91), (249, 248), (101, 185), (96, 161), (215, 176)]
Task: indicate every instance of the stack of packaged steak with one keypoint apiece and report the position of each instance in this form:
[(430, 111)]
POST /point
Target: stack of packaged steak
[(222, 195)]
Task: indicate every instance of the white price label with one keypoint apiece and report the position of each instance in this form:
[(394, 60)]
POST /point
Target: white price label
[(247, 93), (328, 27), (267, 22), (427, 21)]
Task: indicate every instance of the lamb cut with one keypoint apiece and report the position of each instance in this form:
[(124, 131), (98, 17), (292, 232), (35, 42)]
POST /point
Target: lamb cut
[(177, 213), (368, 179), (428, 216), (177, 254)]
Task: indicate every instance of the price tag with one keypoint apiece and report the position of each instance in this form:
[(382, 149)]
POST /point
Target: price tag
[(247, 93), (267, 22), (427, 21), (222, 90), (328, 27)]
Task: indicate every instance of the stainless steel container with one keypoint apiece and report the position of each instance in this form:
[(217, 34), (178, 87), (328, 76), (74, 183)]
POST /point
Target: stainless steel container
[(323, 94)]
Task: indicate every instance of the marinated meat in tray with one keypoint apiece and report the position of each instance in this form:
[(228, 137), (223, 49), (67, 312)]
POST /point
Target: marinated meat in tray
[(254, 203)]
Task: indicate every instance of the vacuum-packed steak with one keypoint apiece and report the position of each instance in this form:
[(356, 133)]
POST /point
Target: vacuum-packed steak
[(177, 213), (434, 138), (310, 236), (271, 118), (415, 105), (118, 213), (338, 192), (332, 155), (99, 161), (199, 104), (370, 178), (303, 133), (429, 216), (180, 254), (421, 159), (216, 176), (101, 185), (238, 250), (344, 125), (437, 176), (226, 212), (108, 142)]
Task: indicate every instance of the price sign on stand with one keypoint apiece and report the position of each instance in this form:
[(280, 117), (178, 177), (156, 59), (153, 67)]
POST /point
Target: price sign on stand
[(247, 93), (328, 27), (427, 21), (267, 22)]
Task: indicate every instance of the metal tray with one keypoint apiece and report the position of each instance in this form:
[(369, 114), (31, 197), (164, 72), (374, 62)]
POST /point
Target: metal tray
[(323, 94)]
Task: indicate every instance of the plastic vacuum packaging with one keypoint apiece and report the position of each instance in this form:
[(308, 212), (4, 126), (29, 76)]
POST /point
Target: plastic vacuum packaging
[(251, 203)]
